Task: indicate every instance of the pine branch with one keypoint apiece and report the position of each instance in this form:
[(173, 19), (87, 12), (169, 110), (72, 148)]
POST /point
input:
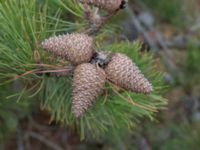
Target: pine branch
[(96, 20), (44, 140), (166, 55), (20, 50)]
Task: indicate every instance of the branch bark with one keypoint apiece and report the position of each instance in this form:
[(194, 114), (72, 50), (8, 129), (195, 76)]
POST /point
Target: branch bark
[(166, 55), (44, 140)]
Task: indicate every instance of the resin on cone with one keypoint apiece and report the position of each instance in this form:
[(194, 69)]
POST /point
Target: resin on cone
[(124, 73), (88, 84), (76, 48), (108, 5)]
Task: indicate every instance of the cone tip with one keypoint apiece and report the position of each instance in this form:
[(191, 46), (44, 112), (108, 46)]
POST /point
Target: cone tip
[(149, 89), (77, 114)]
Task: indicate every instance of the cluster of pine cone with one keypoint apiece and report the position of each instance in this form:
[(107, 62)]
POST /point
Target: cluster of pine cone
[(89, 78)]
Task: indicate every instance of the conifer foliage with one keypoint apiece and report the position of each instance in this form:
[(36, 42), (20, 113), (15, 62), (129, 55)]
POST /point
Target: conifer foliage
[(93, 98)]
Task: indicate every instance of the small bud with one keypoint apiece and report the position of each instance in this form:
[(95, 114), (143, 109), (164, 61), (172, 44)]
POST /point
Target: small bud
[(101, 58)]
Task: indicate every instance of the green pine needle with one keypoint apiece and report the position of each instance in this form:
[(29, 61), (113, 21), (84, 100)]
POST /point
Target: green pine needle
[(24, 25)]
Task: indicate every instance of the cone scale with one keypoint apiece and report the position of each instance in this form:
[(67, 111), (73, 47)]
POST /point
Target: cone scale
[(88, 84), (124, 73), (76, 48)]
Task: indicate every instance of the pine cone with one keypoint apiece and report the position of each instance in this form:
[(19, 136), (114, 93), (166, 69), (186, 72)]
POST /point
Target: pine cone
[(76, 48), (88, 83), (124, 73), (108, 5)]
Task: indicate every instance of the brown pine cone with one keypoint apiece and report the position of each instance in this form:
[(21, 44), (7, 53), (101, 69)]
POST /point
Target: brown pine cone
[(76, 48), (108, 5), (88, 83), (124, 73)]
